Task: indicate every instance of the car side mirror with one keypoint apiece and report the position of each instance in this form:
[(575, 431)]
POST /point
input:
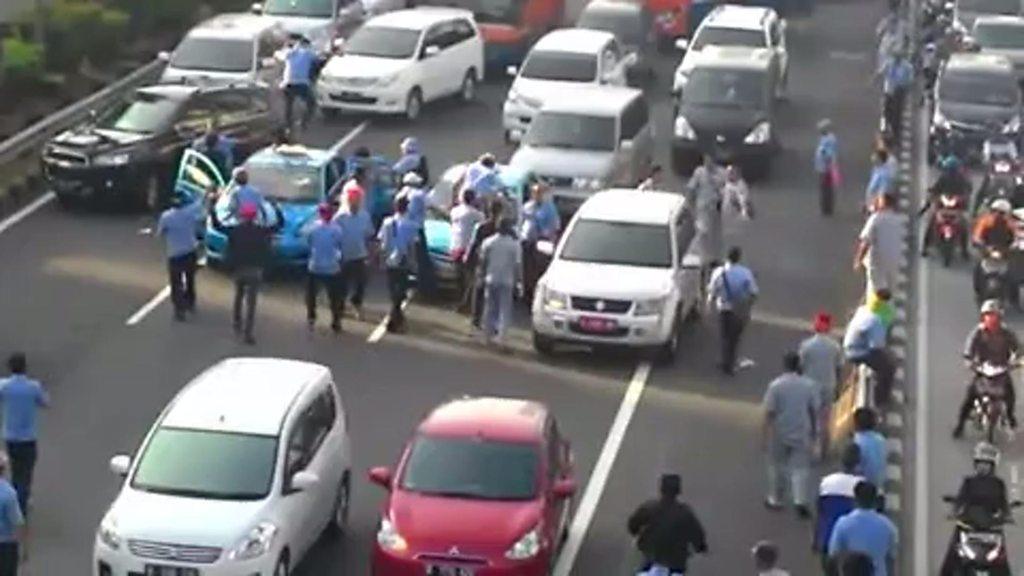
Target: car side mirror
[(256, 8), (564, 488), (338, 45), (120, 464), (682, 44), (163, 56), (512, 71), (381, 476), (546, 247), (431, 50), (304, 480), (630, 59)]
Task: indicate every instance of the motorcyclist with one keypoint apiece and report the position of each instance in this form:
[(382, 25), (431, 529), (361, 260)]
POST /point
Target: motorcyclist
[(951, 182), (994, 232), (982, 497), (666, 530), (990, 341)]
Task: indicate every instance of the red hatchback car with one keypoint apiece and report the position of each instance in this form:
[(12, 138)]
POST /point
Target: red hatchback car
[(484, 488)]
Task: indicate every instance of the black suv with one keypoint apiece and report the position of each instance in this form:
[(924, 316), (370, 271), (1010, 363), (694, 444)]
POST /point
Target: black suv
[(726, 109), (127, 153)]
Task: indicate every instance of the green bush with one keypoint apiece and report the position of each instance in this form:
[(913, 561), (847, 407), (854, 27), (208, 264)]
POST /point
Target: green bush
[(84, 29), (171, 15), (22, 61)]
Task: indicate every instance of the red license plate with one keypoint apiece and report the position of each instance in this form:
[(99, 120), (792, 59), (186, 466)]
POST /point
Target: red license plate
[(598, 325)]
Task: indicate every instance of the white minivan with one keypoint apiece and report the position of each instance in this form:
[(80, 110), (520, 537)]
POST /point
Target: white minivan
[(622, 275), (227, 49), (240, 474)]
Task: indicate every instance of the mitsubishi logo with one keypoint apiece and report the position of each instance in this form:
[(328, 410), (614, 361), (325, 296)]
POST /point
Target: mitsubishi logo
[(599, 306), (454, 551)]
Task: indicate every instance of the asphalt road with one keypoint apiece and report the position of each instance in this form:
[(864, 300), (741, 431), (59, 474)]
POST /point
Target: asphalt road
[(72, 280)]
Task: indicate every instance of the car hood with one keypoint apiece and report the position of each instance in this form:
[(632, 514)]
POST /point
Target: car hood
[(976, 114), (180, 520), (536, 92), (618, 282), (483, 528), (353, 66), (208, 78), (96, 140), (564, 162), (723, 120)]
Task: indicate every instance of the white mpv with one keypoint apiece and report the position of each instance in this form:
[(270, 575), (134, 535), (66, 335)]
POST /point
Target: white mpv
[(398, 61), (241, 473), (622, 275)]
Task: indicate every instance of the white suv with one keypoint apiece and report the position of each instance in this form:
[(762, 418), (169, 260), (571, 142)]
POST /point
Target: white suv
[(227, 49), (732, 25), (622, 274), (241, 473), (560, 59), (398, 61)]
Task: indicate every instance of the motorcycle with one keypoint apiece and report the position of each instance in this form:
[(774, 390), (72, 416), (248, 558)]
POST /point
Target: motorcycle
[(948, 225), (988, 414), (993, 277), (980, 548)]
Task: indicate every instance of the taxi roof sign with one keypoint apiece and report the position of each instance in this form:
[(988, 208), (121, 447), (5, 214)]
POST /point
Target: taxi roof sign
[(292, 150)]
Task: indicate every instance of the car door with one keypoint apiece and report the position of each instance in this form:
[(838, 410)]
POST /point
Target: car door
[(464, 51), (635, 142), (328, 459), (196, 173), (559, 467), (244, 117), (432, 62), (296, 505)]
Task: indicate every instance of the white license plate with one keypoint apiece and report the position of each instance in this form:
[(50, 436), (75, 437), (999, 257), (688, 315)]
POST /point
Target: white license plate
[(436, 570)]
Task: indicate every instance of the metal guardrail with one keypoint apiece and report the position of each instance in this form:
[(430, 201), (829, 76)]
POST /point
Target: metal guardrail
[(28, 141)]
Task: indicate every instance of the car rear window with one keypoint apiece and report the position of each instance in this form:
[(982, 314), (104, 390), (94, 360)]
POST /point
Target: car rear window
[(719, 36), (214, 54), (627, 26), (1005, 7), (473, 468), (999, 36), (560, 66), (979, 89)]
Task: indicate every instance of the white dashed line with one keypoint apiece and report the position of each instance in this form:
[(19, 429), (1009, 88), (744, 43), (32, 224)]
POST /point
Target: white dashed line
[(26, 211), (382, 329), (148, 307)]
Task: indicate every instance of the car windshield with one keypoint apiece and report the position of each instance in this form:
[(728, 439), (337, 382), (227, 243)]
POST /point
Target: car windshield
[(472, 468), (717, 36), (486, 11), (144, 113), (308, 8), (979, 89), (207, 464), (999, 36), (213, 54), (287, 181), (731, 88), (1008, 7), (620, 243), (383, 42), (627, 26), (561, 66), (577, 131)]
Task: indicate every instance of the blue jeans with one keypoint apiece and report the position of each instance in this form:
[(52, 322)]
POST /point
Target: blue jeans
[(497, 309)]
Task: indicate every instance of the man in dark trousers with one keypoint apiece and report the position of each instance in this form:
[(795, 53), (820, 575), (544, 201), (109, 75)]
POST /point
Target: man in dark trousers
[(731, 292), (177, 226), (474, 296), (22, 398), (249, 245), (12, 525), (324, 266), (667, 531)]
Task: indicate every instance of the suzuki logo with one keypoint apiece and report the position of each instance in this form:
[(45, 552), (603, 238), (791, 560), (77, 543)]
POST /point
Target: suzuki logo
[(599, 306)]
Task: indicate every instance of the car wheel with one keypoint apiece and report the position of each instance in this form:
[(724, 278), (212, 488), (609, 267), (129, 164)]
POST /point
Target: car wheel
[(413, 104), (468, 90), (339, 515), (543, 345), (151, 194), (667, 352), (283, 566)]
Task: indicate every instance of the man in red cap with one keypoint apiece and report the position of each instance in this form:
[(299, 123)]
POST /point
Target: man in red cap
[(357, 232), (821, 357), (324, 266)]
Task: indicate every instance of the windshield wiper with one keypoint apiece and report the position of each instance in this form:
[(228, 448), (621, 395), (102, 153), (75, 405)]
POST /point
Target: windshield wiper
[(186, 492)]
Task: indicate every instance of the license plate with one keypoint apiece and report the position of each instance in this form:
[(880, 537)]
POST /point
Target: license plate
[(156, 570), (449, 571), (598, 325)]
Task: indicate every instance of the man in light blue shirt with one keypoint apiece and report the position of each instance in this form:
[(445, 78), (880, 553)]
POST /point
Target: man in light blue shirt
[(177, 226), (826, 166), (482, 177), (540, 222), (22, 398), (865, 531), (398, 237), (412, 159), (881, 179), (299, 67), (325, 253), (413, 190), (12, 524), (897, 76), (356, 234), (731, 292), (873, 450), (245, 193), (865, 343)]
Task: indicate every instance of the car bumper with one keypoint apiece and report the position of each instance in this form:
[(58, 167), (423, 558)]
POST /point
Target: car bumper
[(95, 181), (638, 331), (286, 253), (691, 151), (107, 562), (371, 99), (516, 118), (386, 564)]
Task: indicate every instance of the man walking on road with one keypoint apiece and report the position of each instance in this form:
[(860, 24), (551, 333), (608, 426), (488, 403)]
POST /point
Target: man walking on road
[(826, 165), (897, 76), (357, 236), (732, 292), (791, 408), (540, 222), (667, 531), (177, 226), (464, 219), (324, 267), (22, 398), (880, 246), (13, 543), (398, 237), (249, 249), (866, 531), (881, 180), (474, 297), (821, 358), (501, 265)]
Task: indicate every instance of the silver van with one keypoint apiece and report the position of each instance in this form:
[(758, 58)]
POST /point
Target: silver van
[(590, 139)]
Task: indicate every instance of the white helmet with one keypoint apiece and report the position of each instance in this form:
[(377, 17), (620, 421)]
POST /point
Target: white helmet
[(985, 452), (412, 179), (1001, 205), (991, 306)]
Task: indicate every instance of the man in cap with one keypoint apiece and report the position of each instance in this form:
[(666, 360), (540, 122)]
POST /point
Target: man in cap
[(413, 190), (397, 236), (541, 222), (245, 193), (357, 236), (482, 177), (821, 358), (177, 226), (411, 160), (324, 266)]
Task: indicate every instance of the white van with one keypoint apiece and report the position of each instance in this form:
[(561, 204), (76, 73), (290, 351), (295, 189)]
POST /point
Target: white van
[(227, 49)]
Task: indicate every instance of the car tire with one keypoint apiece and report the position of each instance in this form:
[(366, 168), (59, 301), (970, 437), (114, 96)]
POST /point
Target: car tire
[(413, 104), (667, 352), (467, 92), (283, 566), (342, 506), (543, 345)]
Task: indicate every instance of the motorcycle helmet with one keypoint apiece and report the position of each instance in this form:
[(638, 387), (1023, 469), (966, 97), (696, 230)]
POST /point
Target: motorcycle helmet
[(949, 163), (985, 452), (991, 306), (1001, 205)]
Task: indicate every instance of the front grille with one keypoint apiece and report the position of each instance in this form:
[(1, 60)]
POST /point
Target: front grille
[(357, 82), (353, 98), (557, 181), (67, 157), (600, 305), (174, 552), (456, 559)]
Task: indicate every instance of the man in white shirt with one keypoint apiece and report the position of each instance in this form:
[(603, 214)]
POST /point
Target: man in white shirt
[(880, 246), (464, 218)]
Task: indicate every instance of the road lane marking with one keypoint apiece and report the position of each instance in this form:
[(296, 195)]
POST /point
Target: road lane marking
[(348, 138), (148, 307), (602, 470), (921, 477), (382, 329), (26, 211)]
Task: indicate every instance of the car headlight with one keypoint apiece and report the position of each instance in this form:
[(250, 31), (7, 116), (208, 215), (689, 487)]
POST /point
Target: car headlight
[(118, 159), (526, 547), (649, 306), (993, 553), (1013, 125), (555, 300), (108, 533), (256, 543), (760, 134), (389, 79), (592, 183), (683, 129), (514, 97), (939, 120), (388, 537)]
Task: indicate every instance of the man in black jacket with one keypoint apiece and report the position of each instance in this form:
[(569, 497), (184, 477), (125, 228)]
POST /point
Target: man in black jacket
[(473, 298), (249, 245), (666, 530)]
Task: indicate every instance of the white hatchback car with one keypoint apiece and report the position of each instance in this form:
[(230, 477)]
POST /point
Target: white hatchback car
[(638, 244), (241, 473), (561, 58), (398, 61)]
